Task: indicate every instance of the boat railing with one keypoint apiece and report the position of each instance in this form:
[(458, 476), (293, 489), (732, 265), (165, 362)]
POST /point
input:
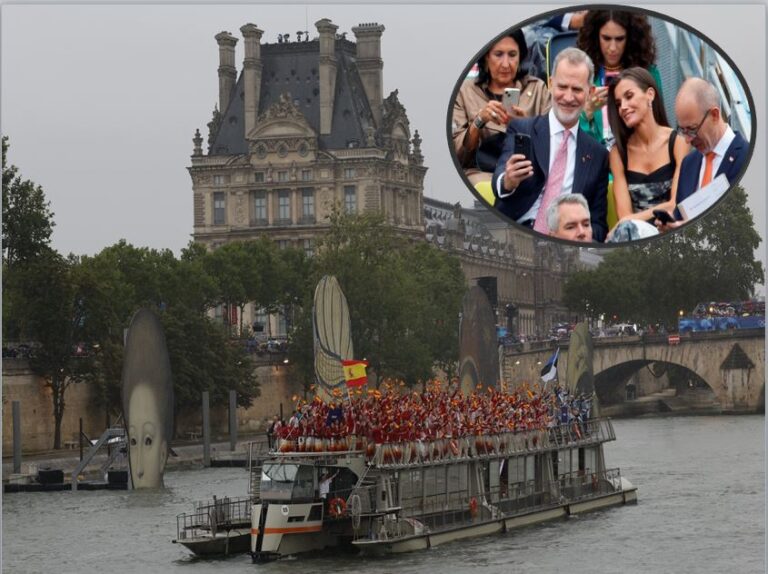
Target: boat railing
[(576, 432), (210, 517), (579, 485), (462, 507), (419, 453)]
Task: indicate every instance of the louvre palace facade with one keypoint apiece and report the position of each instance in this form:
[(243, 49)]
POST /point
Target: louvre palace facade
[(304, 126)]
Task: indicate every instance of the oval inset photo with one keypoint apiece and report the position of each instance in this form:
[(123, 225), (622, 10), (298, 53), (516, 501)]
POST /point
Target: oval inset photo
[(600, 126)]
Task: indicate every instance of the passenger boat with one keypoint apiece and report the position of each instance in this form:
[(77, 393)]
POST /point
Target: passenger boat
[(399, 497)]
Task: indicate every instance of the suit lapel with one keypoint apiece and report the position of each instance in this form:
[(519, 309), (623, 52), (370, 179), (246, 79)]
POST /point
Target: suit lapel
[(730, 158), (582, 162), (540, 142)]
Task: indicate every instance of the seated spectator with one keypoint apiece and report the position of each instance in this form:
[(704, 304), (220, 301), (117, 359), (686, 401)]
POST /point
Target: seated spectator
[(563, 159), (568, 218), (478, 114), (539, 34), (718, 150), (645, 162), (615, 40)]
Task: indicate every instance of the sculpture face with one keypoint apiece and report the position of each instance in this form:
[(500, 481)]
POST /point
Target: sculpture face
[(147, 395), (148, 446)]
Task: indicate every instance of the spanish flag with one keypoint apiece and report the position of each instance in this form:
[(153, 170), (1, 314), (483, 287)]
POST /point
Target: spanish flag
[(354, 373)]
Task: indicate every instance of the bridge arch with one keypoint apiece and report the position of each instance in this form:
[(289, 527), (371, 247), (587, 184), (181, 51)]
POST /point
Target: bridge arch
[(731, 363)]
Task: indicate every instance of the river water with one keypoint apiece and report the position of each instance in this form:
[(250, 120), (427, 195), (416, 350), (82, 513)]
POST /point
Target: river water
[(701, 509)]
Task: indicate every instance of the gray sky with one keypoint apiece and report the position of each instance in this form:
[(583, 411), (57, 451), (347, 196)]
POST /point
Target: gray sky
[(101, 102)]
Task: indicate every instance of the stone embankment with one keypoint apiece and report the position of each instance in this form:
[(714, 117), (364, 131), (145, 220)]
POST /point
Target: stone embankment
[(184, 455)]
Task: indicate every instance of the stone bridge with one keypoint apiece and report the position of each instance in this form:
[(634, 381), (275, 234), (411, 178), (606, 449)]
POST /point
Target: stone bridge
[(731, 364)]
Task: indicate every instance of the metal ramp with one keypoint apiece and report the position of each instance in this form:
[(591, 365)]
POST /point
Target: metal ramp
[(104, 440)]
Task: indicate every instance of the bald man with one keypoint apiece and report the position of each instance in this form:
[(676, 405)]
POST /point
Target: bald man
[(701, 123)]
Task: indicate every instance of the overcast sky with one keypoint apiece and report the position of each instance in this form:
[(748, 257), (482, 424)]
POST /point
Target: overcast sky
[(101, 102)]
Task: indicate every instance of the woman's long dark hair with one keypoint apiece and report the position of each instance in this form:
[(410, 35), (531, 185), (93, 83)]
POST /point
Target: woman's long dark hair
[(644, 80), (640, 48), (484, 76)]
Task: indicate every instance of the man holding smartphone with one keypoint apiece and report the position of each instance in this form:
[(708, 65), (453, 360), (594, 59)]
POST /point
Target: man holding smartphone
[(546, 156)]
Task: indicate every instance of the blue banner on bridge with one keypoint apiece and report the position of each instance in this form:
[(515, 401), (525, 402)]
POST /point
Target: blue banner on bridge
[(691, 324)]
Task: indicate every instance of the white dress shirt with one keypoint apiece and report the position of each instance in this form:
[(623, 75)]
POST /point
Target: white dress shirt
[(556, 130), (720, 150)]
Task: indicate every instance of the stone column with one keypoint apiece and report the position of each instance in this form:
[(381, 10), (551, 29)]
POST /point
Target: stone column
[(370, 65), (227, 71), (252, 67), (327, 72)]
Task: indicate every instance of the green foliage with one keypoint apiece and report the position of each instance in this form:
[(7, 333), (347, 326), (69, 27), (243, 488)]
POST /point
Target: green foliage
[(180, 291), (403, 296), (711, 259), (46, 289), (203, 358), (27, 218)]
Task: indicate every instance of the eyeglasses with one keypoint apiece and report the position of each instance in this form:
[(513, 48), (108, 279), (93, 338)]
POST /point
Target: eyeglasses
[(692, 132)]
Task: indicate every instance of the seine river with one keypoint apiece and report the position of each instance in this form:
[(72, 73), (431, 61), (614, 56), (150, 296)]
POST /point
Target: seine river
[(701, 509)]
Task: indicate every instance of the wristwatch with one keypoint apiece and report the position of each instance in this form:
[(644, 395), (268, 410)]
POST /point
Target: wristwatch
[(479, 123)]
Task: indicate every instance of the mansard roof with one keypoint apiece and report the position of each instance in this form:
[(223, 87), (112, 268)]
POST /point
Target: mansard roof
[(293, 67)]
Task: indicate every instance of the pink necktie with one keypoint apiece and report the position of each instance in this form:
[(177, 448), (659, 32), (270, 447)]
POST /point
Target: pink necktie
[(554, 184)]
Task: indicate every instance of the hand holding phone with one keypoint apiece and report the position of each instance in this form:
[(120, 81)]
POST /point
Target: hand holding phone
[(663, 216), (517, 169)]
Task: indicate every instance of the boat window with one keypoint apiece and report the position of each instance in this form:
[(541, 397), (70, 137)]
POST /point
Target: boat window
[(304, 487), (281, 481), (431, 486), (530, 462), (590, 459), (410, 488), (457, 478), (516, 469), (277, 480)]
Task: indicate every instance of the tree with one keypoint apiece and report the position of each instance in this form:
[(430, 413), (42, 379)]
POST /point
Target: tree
[(27, 218), (711, 259), (403, 297), (53, 318), (181, 292)]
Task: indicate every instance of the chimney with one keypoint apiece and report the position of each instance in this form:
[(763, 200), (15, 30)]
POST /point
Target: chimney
[(251, 74), (370, 65), (227, 71), (327, 30)]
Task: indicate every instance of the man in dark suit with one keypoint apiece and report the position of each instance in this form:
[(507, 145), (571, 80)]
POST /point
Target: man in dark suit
[(717, 148), (563, 158)]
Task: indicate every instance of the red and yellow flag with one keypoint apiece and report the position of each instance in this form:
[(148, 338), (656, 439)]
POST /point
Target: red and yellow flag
[(354, 373)]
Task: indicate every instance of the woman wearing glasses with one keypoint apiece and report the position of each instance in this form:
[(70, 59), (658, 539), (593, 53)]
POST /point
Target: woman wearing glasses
[(645, 162)]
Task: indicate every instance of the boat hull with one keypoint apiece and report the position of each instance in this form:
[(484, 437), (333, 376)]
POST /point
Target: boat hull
[(495, 526), (235, 541)]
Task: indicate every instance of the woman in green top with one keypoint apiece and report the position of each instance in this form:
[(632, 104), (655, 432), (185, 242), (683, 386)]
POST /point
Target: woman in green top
[(615, 40)]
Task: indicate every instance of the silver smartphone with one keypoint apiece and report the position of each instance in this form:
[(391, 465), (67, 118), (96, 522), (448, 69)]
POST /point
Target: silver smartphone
[(510, 98)]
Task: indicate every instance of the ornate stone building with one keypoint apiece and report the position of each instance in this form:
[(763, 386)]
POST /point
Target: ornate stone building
[(519, 272), (305, 126)]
